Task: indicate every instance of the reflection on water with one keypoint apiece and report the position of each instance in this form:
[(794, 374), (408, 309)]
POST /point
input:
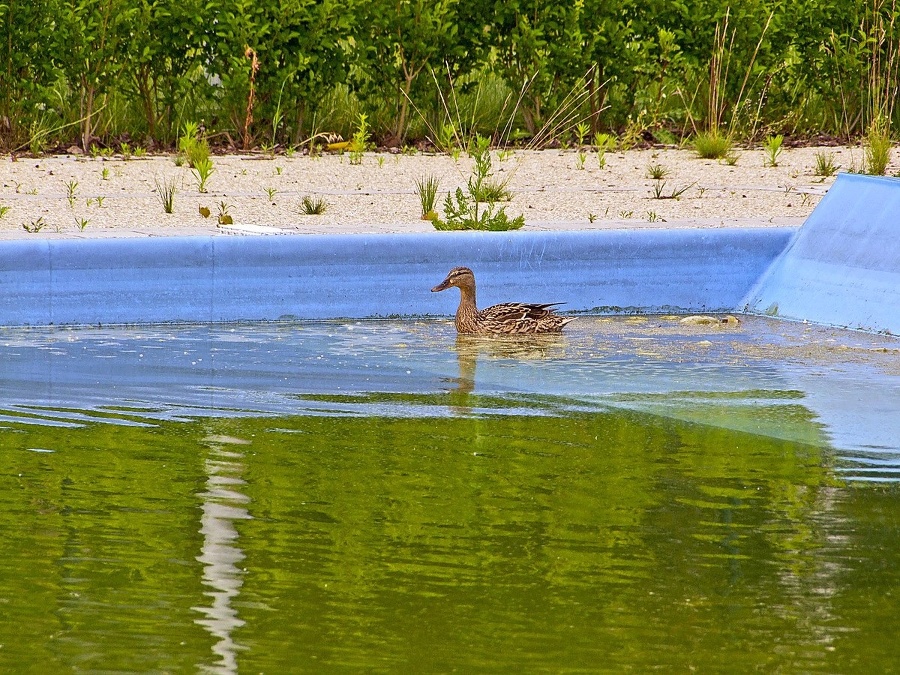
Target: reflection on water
[(470, 348), (222, 505), (586, 541), (632, 494)]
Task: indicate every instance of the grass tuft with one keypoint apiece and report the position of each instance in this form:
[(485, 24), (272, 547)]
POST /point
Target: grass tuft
[(165, 191), (712, 145), (878, 148), (657, 171), (313, 206), (825, 166), (426, 189)]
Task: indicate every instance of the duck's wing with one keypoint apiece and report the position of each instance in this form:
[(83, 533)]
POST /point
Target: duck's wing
[(518, 311), (520, 317)]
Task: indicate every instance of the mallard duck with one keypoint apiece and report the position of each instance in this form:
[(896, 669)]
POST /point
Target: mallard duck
[(510, 318)]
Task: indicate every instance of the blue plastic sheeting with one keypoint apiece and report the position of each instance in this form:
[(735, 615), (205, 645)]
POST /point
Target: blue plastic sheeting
[(843, 267), (215, 279)]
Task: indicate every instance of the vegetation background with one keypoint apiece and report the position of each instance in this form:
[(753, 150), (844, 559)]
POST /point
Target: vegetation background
[(278, 73)]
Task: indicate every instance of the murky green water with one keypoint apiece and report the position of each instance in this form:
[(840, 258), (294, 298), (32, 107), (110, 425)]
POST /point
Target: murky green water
[(477, 509)]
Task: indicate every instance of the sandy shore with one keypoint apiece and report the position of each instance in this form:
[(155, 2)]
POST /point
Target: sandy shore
[(116, 197)]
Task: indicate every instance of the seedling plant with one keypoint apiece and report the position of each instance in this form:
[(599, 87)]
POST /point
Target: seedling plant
[(772, 146), (475, 207)]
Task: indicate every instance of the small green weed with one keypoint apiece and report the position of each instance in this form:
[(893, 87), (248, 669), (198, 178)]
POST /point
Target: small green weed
[(659, 190), (825, 166), (224, 217), (712, 145), (579, 160), (165, 191), (202, 170), (772, 146), (878, 148), (463, 210), (81, 223), (71, 187), (581, 131), (657, 171), (270, 193), (360, 142), (194, 148), (447, 138), (4, 210), (426, 189), (310, 206), (104, 173), (35, 225)]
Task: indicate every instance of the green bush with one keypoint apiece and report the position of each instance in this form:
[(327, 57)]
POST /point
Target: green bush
[(414, 68)]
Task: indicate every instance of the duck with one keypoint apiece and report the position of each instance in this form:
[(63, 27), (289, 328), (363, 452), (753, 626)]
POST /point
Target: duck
[(509, 318)]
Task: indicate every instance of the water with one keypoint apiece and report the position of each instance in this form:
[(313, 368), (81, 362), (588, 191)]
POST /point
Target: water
[(636, 494)]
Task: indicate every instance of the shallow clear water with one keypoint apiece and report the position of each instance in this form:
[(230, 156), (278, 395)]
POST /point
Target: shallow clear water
[(382, 496)]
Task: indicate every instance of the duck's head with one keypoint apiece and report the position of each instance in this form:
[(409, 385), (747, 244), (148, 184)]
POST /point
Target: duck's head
[(461, 277)]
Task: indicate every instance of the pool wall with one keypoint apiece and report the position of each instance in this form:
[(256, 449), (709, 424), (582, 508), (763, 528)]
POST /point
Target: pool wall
[(843, 267), (218, 279)]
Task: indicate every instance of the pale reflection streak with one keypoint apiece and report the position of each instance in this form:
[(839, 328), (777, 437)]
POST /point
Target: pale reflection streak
[(220, 554)]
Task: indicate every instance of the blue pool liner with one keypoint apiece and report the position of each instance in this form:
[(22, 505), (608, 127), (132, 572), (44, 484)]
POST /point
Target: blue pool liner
[(843, 267), (220, 279)]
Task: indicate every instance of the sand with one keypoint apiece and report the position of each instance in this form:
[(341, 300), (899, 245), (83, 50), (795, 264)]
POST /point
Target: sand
[(115, 197)]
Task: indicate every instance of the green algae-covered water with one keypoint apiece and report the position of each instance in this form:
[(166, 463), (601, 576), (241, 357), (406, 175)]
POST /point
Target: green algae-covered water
[(382, 497)]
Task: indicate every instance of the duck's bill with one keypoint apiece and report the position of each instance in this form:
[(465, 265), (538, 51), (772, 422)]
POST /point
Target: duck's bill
[(443, 286)]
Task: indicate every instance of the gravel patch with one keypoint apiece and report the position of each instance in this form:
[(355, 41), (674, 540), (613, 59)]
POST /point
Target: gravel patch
[(116, 198)]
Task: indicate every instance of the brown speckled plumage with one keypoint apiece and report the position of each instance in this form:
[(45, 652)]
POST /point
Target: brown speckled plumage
[(509, 318)]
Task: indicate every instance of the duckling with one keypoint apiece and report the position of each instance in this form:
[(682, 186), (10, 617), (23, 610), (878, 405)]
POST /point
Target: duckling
[(509, 318)]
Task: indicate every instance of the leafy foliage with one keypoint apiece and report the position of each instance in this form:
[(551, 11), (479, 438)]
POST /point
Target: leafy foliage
[(108, 72)]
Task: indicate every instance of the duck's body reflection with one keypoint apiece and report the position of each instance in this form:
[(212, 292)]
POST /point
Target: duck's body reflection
[(472, 348)]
